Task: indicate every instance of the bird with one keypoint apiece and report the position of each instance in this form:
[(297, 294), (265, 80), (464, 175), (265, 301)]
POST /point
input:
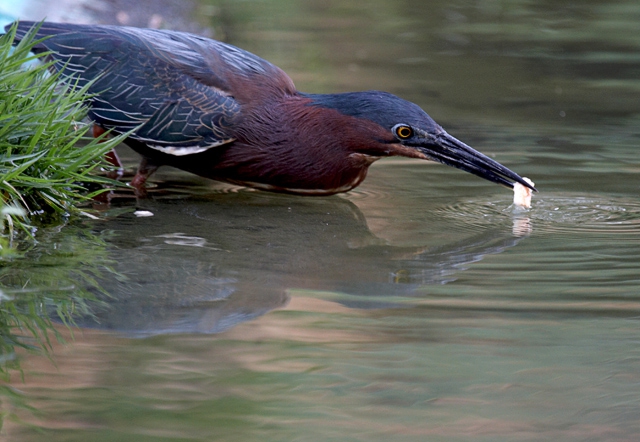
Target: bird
[(220, 112)]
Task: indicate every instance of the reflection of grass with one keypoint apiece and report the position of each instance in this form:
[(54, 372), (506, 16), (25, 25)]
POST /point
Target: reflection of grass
[(54, 278), (41, 123)]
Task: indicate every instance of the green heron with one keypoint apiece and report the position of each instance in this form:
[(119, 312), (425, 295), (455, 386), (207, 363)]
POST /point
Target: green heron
[(223, 113)]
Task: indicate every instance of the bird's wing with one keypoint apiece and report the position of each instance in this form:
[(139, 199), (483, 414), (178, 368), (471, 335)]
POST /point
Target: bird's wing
[(177, 87)]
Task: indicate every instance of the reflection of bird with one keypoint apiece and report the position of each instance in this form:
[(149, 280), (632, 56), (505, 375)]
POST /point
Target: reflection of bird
[(220, 112), (212, 263)]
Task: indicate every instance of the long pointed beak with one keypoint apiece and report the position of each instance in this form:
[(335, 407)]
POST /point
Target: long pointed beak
[(450, 151)]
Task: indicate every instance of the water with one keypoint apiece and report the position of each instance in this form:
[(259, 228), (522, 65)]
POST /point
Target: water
[(420, 306)]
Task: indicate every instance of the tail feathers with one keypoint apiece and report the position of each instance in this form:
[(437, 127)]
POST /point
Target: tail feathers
[(25, 27), (42, 29)]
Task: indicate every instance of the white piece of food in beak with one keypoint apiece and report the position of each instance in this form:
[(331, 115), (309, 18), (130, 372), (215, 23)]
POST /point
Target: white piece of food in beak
[(521, 194)]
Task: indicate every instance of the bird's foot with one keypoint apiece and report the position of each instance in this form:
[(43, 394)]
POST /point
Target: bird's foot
[(145, 170), (138, 184)]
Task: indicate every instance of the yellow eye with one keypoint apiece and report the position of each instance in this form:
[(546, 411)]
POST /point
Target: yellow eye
[(404, 132)]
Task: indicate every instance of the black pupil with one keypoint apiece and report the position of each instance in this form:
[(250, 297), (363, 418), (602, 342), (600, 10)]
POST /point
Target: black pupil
[(404, 132)]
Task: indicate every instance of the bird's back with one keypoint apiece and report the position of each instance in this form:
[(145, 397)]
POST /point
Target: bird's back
[(184, 92)]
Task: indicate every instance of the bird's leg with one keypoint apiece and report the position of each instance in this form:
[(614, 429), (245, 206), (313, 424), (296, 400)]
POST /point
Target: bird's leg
[(146, 168), (111, 157)]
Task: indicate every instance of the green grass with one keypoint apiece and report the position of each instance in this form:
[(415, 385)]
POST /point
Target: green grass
[(48, 162), (47, 159)]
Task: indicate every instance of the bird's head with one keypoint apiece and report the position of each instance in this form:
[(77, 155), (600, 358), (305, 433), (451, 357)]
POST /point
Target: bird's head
[(403, 128)]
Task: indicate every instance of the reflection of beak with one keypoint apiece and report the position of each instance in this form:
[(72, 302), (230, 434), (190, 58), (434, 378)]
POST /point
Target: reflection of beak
[(448, 150)]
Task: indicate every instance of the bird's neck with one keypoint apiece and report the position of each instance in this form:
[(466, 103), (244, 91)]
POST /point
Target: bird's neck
[(296, 146)]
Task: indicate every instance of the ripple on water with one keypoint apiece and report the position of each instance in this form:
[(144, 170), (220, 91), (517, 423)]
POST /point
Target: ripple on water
[(555, 213), (359, 194)]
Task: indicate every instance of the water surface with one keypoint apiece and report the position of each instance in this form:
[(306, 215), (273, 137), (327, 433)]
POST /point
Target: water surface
[(422, 305)]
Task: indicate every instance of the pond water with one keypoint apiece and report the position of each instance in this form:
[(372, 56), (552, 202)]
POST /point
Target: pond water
[(422, 305)]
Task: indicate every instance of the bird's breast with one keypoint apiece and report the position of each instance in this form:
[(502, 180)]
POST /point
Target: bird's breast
[(304, 178), (297, 191)]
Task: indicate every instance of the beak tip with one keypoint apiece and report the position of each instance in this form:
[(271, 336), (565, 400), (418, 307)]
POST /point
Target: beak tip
[(527, 183)]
